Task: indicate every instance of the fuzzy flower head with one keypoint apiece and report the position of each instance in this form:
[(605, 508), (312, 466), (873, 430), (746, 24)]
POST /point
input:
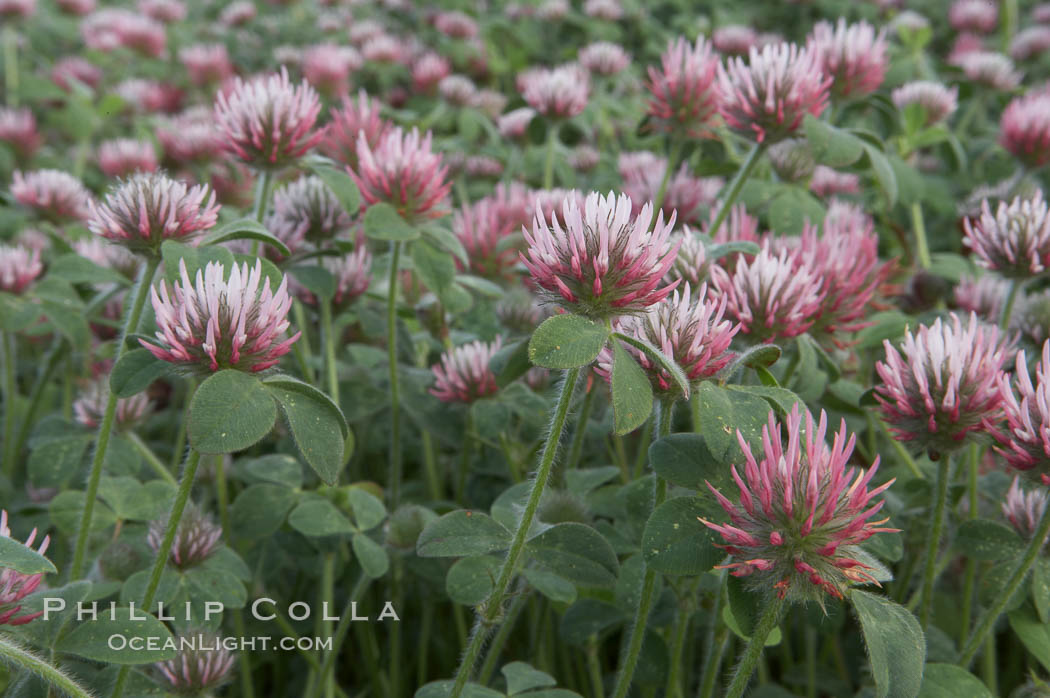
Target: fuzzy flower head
[(328, 67), (792, 160), (1026, 443), (734, 39), (196, 538), (486, 236), (683, 97), (463, 375), (984, 296), (19, 267), (691, 264), (600, 260), (54, 195), (18, 129), (90, 406), (980, 16), (515, 123), (801, 511), (687, 327), (214, 323), (403, 171), (1024, 129), (774, 295), (1015, 241), (935, 101), (853, 55), (643, 177), (306, 209), (556, 93), (206, 64), (604, 58), (428, 70), (148, 208), (767, 97), (990, 69), (943, 384), (190, 137), (349, 121), (125, 156), (267, 122), (15, 586), (1023, 509), (1030, 43), (202, 664), (352, 273)]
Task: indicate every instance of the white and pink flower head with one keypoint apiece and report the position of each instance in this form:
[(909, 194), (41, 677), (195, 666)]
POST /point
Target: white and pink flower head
[(853, 55), (202, 664), (126, 156), (734, 39), (486, 236), (353, 274), (72, 69), (349, 121), (767, 97), (980, 16), (306, 210), (19, 267), (90, 406), (190, 137), (217, 322), (515, 123), (801, 511), (267, 122), (54, 195), (556, 93), (328, 67), (643, 174), (604, 58), (207, 64), (683, 96), (18, 129), (196, 537), (111, 28), (1026, 442), (403, 171), (1030, 43), (455, 24), (15, 586), (984, 296), (600, 260), (148, 208), (990, 69), (1015, 240), (827, 182), (166, 11), (428, 70), (942, 387), (1024, 129), (1024, 510), (463, 374), (936, 101)]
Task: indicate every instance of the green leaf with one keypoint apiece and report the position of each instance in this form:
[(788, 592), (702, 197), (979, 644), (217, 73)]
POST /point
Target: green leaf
[(445, 238), (780, 399), (91, 639), (73, 268), (989, 541), (553, 586), (368, 511), (373, 558), (435, 268), (521, 677), (259, 510), (632, 393), (443, 689), (1041, 589), (135, 371), (743, 609), (341, 184), (317, 424), (22, 559), (793, 209), (883, 172), (275, 468), (194, 258), (470, 580), (317, 517), (230, 411), (566, 341), (16, 312), (895, 643), (950, 681), (382, 222), (461, 534), (885, 325), (69, 319), (1033, 633), (587, 618), (724, 249), (577, 553), (54, 462), (666, 362), (244, 229), (831, 146), (317, 280), (676, 541), (510, 363)]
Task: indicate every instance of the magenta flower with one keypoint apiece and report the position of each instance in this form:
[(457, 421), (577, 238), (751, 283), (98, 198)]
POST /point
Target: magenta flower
[(984, 296), (1026, 443), (207, 64), (237, 13), (306, 210), (54, 195), (484, 233), (18, 130), (514, 123), (15, 586), (190, 137), (166, 11), (584, 158), (767, 98), (217, 323), (556, 93), (348, 122), (463, 375), (604, 58), (1024, 510), (19, 267), (384, 48), (148, 208), (827, 182), (943, 385), (402, 171), (203, 663), (772, 296), (1030, 42), (1024, 129), (980, 16), (16, 9), (801, 512), (352, 274), (853, 55), (990, 69), (734, 39), (457, 25), (605, 261), (688, 328), (328, 67), (196, 537), (458, 90), (643, 174), (75, 69), (126, 156), (90, 406), (76, 7), (936, 101), (683, 97), (267, 122), (111, 28), (609, 10), (428, 70), (1015, 242)]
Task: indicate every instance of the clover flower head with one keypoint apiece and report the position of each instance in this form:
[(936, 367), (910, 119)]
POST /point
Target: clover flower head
[(1015, 241), (1024, 129), (463, 374), (854, 55), (54, 195), (202, 663), (19, 267), (403, 171), (556, 93)]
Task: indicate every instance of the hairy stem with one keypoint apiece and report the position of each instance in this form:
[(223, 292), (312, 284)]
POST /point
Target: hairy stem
[(753, 651), (936, 528), (330, 370), (736, 186), (17, 656), (395, 385)]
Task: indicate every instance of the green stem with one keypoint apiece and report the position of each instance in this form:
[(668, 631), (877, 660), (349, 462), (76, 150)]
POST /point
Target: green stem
[(328, 337), (970, 574), (164, 551), (151, 458), (222, 493), (548, 165), (1035, 545), (106, 426), (327, 598), (901, 451), (302, 347), (717, 640), (990, 666), (430, 467), (10, 345), (755, 645), (1008, 306), (685, 616), (261, 202), (467, 450), (51, 361), (580, 434), (341, 629), (11, 64), (661, 193), (488, 668), (180, 434), (1009, 24), (17, 656), (922, 248), (735, 187), (395, 644), (395, 386), (594, 667), (934, 539), (642, 455), (493, 606)]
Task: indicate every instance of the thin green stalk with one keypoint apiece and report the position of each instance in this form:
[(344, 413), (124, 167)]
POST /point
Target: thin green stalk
[(753, 651), (488, 668), (244, 659), (641, 457), (180, 434), (395, 386), (150, 457), (1020, 572), (160, 562), (11, 64), (717, 641), (594, 667), (736, 186), (302, 347), (672, 162), (990, 666), (901, 451), (426, 625), (970, 574), (922, 248), (466, 451), (106, 427), (222, 493), (430, 467), (548, 165), (1008, 306), (934, 539), (395, 644), (645, 603), (681, 630), (580, 433), (341, 629), (15, 655), (328, 337), (10, 398), (327, 598), (54, 357), (1009, 24), (492, 608), (262, 201)]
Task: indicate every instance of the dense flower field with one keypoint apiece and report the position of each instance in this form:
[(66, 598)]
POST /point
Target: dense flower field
[(556, 348)]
